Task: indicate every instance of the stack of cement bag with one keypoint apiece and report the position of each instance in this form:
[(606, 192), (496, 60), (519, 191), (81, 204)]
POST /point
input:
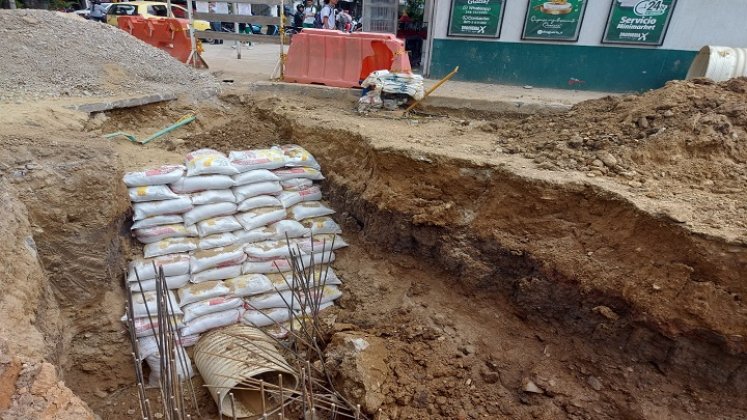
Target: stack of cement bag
[(395, 88), (220, 227)]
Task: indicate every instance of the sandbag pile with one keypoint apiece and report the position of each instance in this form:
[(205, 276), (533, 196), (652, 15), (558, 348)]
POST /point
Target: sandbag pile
[(219, 226), (390, 90)]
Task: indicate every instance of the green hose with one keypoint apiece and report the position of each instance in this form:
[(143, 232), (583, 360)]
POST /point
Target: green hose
[(182, 121)]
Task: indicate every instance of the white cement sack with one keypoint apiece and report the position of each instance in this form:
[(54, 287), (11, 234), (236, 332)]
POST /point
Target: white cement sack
[(320, 243), (173, 265), (168, 219), (296, 184), (259, 201), (274, 300), (296, 155), (208, 211), (159, 208), (286, 229), (156, 233), (217, 274), (145, 303), (183, 363), (248, 160), (255, 235), (321, 225), (189, 340), (269, 266), (212, 197), (267, 317), (151, 193), (297, 299), (202, 291), (209, 306), (249, 285), (273, 231), (173, 282), (309, 209), (321, 278), (208, 162), (308, 173), (217, 258), (218, 240), (212, 321), (252, 190), (145, 327), (146, 346), (158, 176), (261, 216), (291, 198), (271, 249), (193, 184), (170, 246), (255, 176), (218, 225)]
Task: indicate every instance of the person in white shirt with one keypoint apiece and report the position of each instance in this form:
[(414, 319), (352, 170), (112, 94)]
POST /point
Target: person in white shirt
[(329, 14), (344, 19), (309, 13)]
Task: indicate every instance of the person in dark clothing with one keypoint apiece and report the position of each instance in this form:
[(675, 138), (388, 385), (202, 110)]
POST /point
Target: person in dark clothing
[(298, 17)]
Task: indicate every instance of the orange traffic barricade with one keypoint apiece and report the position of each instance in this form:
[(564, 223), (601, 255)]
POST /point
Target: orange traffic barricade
[(168, 34), (340, 59)]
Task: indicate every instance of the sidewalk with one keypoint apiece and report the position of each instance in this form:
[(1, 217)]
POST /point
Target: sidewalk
[(258, 63)]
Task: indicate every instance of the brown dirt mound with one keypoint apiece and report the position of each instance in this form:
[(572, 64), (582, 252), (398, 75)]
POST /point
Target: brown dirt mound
[(688, 131)]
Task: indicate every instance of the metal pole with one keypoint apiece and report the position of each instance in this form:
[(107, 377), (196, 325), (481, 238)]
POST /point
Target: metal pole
[(282, 40)]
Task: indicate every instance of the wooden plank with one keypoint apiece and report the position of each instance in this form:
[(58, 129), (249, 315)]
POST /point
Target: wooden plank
[(257, 20), (232, 36)]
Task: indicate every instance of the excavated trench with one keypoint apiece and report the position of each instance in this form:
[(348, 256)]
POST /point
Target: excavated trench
[(495, 294)]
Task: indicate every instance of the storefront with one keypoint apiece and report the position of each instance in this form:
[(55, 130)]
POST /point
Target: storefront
[(606, 45)]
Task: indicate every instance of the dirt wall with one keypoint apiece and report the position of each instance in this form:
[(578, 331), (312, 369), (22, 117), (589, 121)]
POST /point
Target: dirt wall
[(29, 312), (564, 252), (76, 206)]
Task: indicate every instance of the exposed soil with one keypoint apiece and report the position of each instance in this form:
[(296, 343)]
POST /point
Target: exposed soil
[(489, 284)]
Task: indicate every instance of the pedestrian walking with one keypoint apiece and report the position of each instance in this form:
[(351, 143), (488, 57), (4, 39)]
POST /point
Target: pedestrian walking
[(344, 19), (299, 17), (309, 14), (97, 13), (329, 14)]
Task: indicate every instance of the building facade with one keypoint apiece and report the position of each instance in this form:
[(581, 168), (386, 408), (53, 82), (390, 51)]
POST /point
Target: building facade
[(604, 45)]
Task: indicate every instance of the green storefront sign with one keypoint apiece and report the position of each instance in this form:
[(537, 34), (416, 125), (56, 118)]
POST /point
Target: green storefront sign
[(642, 22), (554, 20), (476, 18)]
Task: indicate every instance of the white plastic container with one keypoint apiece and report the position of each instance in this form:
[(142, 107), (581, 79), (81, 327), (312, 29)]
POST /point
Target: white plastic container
[(719, 63)]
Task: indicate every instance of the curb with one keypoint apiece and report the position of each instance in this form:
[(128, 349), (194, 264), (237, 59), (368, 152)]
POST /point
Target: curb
[(342, 94), (105, 105)]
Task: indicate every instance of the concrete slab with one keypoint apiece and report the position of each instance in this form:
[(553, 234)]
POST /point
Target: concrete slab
[(107, 104)]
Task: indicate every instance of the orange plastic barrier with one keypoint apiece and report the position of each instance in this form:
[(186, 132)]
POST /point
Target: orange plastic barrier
[(340, 59), (168, 34)]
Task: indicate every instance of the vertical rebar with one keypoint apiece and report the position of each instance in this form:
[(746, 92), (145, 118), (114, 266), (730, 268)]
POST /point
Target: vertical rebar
[(282, 400), (220, 407), (262, 394), (233, 406)]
